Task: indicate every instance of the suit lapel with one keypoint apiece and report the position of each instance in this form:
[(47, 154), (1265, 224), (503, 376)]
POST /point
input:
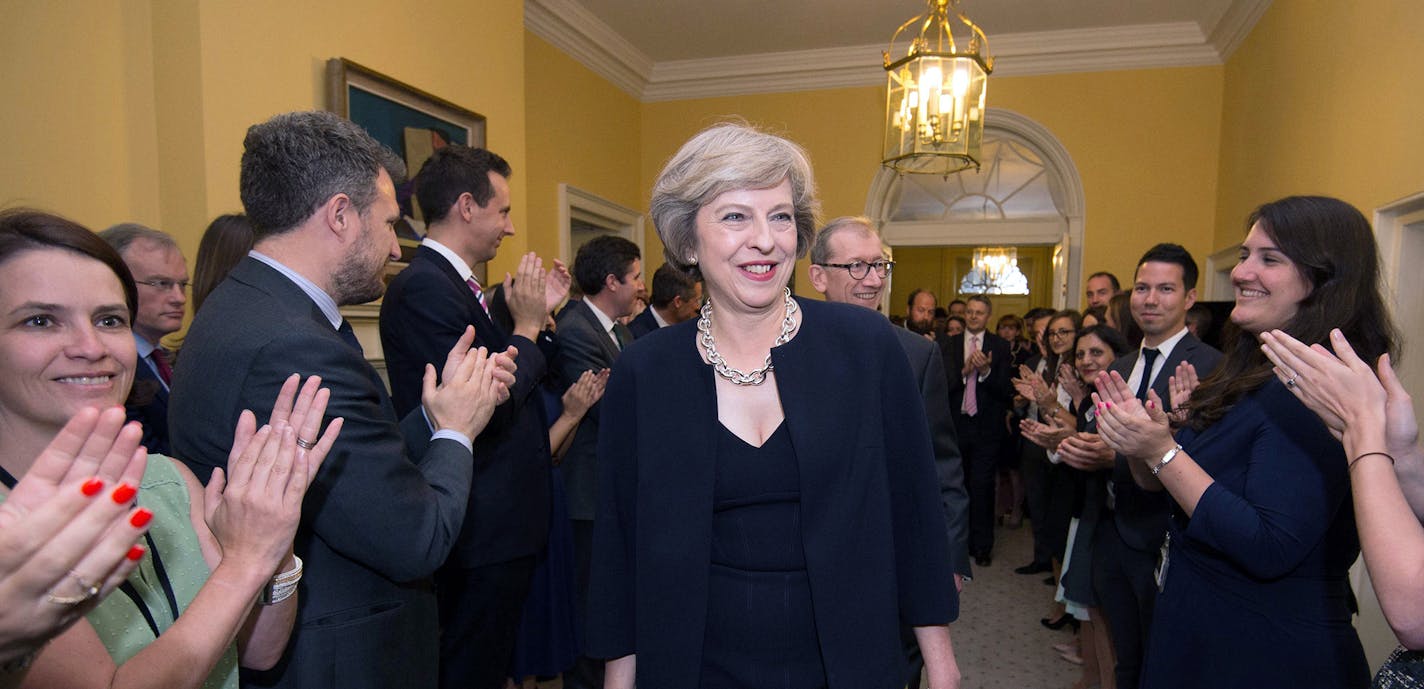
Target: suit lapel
[(605, 341), (490, 335)]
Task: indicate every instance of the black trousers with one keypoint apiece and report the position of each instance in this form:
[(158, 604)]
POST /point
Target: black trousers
[(1035, 467), (1127, 592), (980, 438), (479, 617), (587, 673)]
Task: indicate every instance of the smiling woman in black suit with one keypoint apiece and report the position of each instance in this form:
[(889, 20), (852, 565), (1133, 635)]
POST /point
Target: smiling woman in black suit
[(774, 525)]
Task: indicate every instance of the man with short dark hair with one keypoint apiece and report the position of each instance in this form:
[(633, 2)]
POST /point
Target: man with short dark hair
[(676, 298), (609, 272), (464, 195), (161, 276), (920, 318), (1100, 288), (1129, 537), (385, 508), (980, 389), (957, 308)]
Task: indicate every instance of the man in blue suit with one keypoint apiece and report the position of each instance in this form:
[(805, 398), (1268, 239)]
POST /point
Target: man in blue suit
[(609, 271), (1128, 540), (161, 275), (464, 195)]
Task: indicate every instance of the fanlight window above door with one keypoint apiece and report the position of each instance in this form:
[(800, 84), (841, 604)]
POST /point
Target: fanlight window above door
[(1013, 184)]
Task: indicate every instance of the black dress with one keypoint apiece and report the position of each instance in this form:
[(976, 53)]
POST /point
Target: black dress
[(761, 629)]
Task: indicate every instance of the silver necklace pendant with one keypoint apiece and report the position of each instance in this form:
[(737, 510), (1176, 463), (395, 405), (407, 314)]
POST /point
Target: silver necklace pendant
[(756, 376)]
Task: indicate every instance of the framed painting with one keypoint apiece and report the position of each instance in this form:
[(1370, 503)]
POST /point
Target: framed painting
[(409, 121)]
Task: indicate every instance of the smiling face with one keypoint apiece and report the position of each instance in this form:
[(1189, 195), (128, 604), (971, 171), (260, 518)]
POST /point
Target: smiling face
[(1093, 356), (976, 316), (846, 247), (489, 224), (1269, 286), (1099, 291), (746, 247), (65, 341), (1160, 301)]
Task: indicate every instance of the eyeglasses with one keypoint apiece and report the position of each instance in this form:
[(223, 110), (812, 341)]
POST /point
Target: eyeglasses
[(860, 269), (163, 285), (1061, 332)]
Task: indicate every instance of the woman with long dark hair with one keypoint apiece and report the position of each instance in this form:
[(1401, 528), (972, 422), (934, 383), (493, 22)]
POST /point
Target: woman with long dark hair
[(1254, 582)]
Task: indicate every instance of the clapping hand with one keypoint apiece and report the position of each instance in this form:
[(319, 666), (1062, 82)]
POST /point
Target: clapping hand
[(585, 392), (61, 526), (472, 384), (1086, 451), (1032, 386), (253, 508), (1179, 389), (1070, 382), (556, 286), (1047, 434), (1138, 431), (526, 293)]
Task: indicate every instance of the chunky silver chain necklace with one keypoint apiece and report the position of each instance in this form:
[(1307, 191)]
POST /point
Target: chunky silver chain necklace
[(756, 376)]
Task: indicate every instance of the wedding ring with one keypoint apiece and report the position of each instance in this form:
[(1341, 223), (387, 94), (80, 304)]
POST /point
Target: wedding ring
[(87, 591), (305, 444), (1291, 383)]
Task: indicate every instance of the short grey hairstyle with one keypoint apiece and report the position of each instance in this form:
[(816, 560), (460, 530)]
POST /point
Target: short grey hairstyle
[(821, 248), (723, 158), (294, 162), (123, 235)]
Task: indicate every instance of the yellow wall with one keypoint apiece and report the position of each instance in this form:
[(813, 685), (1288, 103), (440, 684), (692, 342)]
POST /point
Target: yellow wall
[(583, 131), (135, 110), (1323, 99), (1144, 143)]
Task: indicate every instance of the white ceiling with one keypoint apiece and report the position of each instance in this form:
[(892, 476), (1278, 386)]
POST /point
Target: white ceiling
[(670, 49)]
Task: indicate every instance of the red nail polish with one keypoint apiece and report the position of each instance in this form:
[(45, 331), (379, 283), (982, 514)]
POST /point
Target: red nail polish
[(135, 553), (141, 518), (124, 493), (91, 487)]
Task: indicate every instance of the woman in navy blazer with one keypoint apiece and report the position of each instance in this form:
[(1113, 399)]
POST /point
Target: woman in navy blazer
[(767, 509)]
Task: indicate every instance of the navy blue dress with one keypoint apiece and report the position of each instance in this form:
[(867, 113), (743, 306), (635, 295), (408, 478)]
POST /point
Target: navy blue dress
[(761, 630), (1256, 590)]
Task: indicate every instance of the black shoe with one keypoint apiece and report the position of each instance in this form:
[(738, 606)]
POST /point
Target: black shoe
[(983, 560), (1050, 581), (1063, 620), (1034, 568)]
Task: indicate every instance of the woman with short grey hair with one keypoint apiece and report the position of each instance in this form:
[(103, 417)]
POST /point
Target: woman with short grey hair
[(768, 509)]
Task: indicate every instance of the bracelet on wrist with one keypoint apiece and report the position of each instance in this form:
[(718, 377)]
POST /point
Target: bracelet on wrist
[(1166, 459), (1363, 455), (282, 586)]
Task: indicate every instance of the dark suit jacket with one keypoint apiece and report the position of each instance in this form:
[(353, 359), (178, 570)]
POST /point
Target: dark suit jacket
[(376, 522), (871, 522), (994, 394), (1141, 516), (583, 346), (426, 309), (927, 366), (151, 409), (643, 323)]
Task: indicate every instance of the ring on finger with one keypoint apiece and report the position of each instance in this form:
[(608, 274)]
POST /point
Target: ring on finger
[(1290, 383), (305, 444), (87, 591)]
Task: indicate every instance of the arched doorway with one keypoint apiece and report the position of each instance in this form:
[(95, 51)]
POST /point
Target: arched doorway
[(1027, 193)]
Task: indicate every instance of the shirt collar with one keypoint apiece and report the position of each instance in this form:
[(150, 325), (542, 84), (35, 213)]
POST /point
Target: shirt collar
[(658, 317), (602, 317), (1170, 343), (145, 347), (459, 263), (318, 295)]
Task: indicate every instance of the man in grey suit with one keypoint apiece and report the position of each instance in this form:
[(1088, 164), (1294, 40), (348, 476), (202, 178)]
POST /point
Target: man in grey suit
[(609, 273), (848, 266), (384, 510), (1128, 539)]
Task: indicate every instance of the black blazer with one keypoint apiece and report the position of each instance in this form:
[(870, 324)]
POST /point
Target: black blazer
[(426, 308), (927, 367), (381, 515), (583, 346), (994, 394), (873, 528), (643, 323), (148, 405), (1140, 515)]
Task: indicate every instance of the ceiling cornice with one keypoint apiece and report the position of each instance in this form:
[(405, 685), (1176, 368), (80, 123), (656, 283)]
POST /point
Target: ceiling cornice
[(577, 32)]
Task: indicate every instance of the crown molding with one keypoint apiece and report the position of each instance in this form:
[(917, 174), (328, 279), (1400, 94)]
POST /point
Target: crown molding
[(571, 28), (1236, 24), (584, 37)]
